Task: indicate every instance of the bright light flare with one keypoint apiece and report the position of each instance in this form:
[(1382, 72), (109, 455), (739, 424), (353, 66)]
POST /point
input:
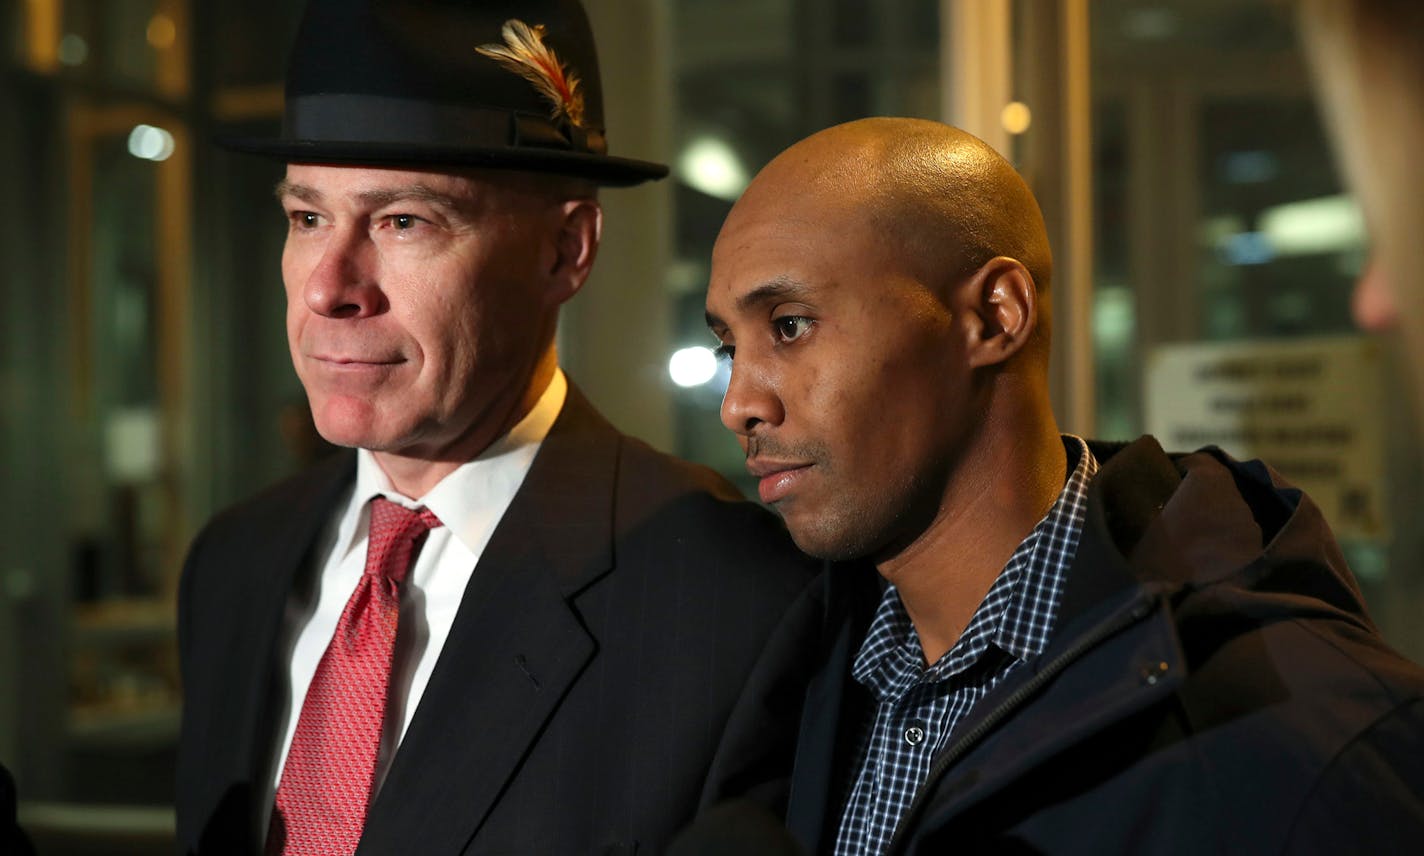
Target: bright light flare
[(710, 165), (1016, 117), (692, 366), (150, 143)]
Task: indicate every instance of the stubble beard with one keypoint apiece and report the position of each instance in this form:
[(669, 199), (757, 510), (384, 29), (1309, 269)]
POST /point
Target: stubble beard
[(850, 525)]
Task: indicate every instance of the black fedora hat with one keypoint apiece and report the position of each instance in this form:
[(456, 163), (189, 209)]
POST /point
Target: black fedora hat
[(508, 84)]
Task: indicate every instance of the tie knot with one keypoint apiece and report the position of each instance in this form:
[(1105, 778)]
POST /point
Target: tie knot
[(396, 531)]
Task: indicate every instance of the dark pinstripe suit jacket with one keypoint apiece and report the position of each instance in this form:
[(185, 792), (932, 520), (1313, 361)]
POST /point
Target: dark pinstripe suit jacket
[(611, 667)]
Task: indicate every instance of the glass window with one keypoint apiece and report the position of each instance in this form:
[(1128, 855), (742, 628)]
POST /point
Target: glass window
[(144, 364), (751, 78), (1226, 255), (115, 440)]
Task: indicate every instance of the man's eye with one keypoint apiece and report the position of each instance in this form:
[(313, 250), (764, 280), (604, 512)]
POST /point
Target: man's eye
[(724, 352), (790, 327), (306, 219), (404, 221)]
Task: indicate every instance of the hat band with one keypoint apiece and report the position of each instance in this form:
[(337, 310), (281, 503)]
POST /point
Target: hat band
[(348, 118)]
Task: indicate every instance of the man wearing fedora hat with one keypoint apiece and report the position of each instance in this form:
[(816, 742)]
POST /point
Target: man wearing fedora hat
[(499, 625)]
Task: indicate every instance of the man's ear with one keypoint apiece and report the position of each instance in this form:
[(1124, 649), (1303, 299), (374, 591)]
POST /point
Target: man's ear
[(575, 247), (1000, 307)]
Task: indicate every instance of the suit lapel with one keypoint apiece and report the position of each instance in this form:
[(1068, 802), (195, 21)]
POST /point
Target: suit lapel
[(514, 650)]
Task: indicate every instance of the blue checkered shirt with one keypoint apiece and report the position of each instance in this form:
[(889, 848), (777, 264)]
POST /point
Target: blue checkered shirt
[(918, 707)]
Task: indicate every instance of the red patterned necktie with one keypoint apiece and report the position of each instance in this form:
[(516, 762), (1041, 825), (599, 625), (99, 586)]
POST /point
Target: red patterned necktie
[(331, 766)]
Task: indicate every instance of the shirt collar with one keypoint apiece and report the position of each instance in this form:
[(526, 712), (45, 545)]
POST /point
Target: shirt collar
[(470, 500), (1016, 613), (1035, 572)]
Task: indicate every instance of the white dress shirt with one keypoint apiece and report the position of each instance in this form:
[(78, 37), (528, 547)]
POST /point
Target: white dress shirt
[(470, 502)]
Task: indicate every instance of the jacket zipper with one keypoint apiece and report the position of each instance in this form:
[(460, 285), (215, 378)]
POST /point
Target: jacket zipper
[(962, 746)]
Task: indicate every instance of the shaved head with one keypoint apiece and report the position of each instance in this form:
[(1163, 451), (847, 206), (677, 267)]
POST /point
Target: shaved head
[(949, 200), (878, 289)]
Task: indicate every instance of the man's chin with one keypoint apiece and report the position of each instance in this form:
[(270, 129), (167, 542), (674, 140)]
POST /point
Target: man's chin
[(824, 536), (349, 440), (352, 422), (814, 537), (340, 432), (827, 549)]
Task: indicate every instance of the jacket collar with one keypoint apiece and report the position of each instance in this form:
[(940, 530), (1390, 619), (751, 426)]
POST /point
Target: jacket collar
[(1132, 487), (1159, 530), (1111, 624)]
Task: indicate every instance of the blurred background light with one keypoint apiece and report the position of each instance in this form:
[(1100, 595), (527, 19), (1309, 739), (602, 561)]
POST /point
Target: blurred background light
[(710, 164), (1247, 248), (692, 366), (162, 32), (1250, 167), (73, 50), (1150, 23), (1016, 117), (150, 143), (1327, 224)]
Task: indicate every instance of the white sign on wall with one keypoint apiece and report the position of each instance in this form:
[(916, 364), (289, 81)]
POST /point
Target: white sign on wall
[(1311, 408)]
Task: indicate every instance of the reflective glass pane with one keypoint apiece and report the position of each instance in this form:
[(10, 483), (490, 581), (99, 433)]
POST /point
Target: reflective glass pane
[(752, 78), (1226, 255)]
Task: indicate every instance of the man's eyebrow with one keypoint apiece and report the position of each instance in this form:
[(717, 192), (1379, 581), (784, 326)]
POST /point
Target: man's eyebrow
[(410, 193), (287, 188), (374, 198), (780, 288)]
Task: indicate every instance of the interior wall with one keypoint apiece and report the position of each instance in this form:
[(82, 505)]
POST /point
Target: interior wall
[(614, 335), (35, 432)]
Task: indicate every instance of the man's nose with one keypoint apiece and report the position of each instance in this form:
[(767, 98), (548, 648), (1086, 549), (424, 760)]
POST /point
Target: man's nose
[(344, 283), (751, 400)]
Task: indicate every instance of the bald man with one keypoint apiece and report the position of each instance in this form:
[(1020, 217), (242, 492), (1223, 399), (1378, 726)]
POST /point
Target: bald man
[(1069, 646)]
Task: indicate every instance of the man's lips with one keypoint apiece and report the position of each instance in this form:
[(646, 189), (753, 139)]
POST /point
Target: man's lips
[(350, 374), (776, 479), (355, 362)]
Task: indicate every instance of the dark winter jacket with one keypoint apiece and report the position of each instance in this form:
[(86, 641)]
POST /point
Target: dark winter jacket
[(1213, 685)]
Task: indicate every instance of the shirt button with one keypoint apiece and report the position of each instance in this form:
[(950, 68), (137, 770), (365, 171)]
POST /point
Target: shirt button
[(914, 735)]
